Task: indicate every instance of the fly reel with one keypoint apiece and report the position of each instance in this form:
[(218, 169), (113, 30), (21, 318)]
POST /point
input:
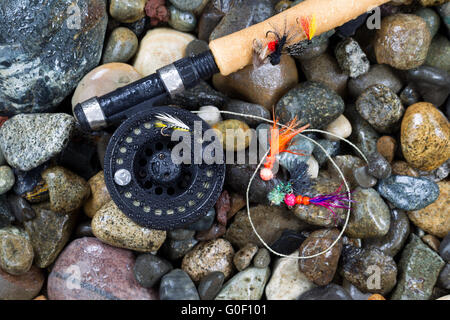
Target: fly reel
[(144, 180)]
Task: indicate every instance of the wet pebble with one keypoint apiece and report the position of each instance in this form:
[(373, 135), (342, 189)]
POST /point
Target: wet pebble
[(204, 223), (402, 168), (184, 21), (393, 241), (378, 166), (381, 107), (16, 251), (84, 229), (329, 292), (409, 95), (403, 41), (444, 248), (149, 269), (331, 147), (200, 95), (121, 46), (112, 226), (363, 178), (99, 195), (208, 256), (89, 269), (208, 21), (28, 140), (210, 285), (188, 5), (321, 269), (340, 127), (444, 278), (23, 287), (127, 10), (431, 18), (359, 264), (351, 58), (419, 268), (195, 47), (245, 285), (432, 83), (386, 146), (312, 102), (6, 179), (262, 258), (439, 53), (251, 109), (244, 256), (347, 163), (354, 292), (432, 241)]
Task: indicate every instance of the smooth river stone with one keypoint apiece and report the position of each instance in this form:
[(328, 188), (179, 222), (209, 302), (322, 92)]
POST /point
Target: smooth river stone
[(425, 136), (176, 285), (287, 281), (121, 46), (435, 218), (127, 11), (23, 287), (328, 292), (263, 86), (210, 285), (89, 269), (104, 79), (16, 251), (245, 285), (160, 47), (408, 193), (112, 226), (99, 195)]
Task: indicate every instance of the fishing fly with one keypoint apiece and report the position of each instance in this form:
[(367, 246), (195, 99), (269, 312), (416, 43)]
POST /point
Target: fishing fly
[(167, 121), (308, 26)]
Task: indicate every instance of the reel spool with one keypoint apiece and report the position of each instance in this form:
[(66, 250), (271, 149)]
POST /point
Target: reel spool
[(147, 185)]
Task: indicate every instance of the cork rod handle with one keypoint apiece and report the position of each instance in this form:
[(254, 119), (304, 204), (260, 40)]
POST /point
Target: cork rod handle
[(233, 52)]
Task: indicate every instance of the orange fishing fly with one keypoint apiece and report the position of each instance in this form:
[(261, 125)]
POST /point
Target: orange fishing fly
[(309, 25), (279, 141)]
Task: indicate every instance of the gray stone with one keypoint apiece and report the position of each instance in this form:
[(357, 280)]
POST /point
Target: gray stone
[(409, 193), (331, 147), (182, 20), (6, 216), (46, 50), (187, 5), (180, 234), (419, 268), (6, 179), (301, 145), (149, 269), (329, 292), (246, 108), (409, 95), (444, 12), (262, 258), (444, 248), (245, 285), (431, 18), (195, 47), (121, 46), (444, 278), (347, 163), (354, 292), (351, 58), (393, 241), (439, 53), (24, 287), (311, 102), (28, 140), (304, 50), (210, 285), (203, 223), (432, 83), (176, 285), (363, 178), (176, 249), (378, 166)]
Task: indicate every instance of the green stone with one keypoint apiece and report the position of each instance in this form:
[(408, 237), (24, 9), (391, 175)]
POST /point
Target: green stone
[(182, 20), (439, 53)]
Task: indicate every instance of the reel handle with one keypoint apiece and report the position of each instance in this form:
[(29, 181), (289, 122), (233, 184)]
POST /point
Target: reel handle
[(98, 112)]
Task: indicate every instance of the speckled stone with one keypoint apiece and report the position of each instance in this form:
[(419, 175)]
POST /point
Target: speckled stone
[(176, 285), (20, 208), (149, 269), (262, 258), (439, 53), (402, 168), (363, 178), (23, 287), (359, 267), (112, 226), (431, 18), (127, 11), (311, 102), (287, 281), (408, 193), (6, 213), (6, 179), (89, 269), (329, 292), (28, 140), (386, 146), (393, 241), (321, 269), (370, 215), (402, 41), (49, 233), (263, 86), (210, 285), (67, 190), (378, 74), (351, 58), (269, 221), (121, 46), (99, 195), (425, 136), (419, 268), (434, 218), (176, 249), (104, 79), (240, 137), (381, 107), (316, 215), (208, 256), (246, 285), (347, 163), (244, 256), (49, 47), (16, 251), (324, 68), (432, 241), (378, 166), (182, 20), (246, 108)]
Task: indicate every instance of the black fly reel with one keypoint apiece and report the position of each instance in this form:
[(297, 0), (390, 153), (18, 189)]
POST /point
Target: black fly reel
[(146, 184)]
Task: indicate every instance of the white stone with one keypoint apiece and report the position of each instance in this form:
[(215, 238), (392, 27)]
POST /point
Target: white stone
[(313, 167), (160, 47), (245, 285), (210, 114), (340, 127), (447, 297), (287, 281)]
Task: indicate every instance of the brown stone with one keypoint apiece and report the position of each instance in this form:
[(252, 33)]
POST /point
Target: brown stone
[(386, 146), (435, 218), (89, 269), (23, 287), (425, 136), (431, 241), (263, 86), (237, 202), (320, 269), (244, 256), (402, 168), (99, 195), (209, 256), (234, 134)]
